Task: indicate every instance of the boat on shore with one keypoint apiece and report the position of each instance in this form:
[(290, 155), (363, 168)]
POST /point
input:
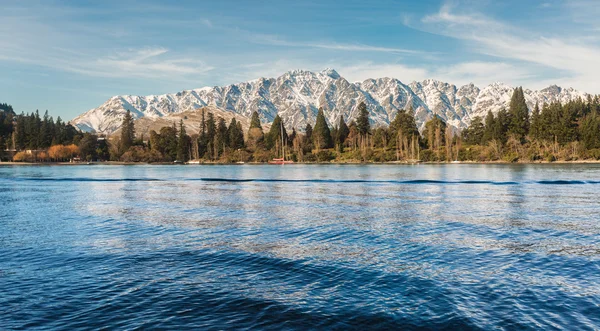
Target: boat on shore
[(282, 160)]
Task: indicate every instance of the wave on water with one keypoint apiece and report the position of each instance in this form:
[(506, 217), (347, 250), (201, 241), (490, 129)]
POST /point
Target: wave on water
[(337, 181)]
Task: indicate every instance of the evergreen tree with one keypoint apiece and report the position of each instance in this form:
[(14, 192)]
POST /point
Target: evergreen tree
[(255, 121), (87, 146), (474, 134), (590, 130), (166, 142), (236, 137), (183, 144), (307, 143), (536, 127), (321, 135), (362, 121), (211, 132), (20, 136), (221, 138), (45, 134), (342, 133), (240, 142), (434, 132), (273, 137), (255, 132), (518, 115), (403, 127), (127, 132)]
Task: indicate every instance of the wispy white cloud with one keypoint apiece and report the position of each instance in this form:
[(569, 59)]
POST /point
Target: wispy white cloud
[(276, 40), (571, 62)]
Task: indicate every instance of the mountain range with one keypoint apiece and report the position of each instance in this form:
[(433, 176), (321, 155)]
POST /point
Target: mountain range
[(298, 94)]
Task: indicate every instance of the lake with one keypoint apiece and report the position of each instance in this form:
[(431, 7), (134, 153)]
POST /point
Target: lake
[(455, 246)]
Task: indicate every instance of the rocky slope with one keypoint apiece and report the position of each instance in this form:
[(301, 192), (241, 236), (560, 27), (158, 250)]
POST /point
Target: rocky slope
[(297, 95)]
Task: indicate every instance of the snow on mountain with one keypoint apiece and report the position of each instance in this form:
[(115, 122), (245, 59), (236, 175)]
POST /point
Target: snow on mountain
[(298, 94)]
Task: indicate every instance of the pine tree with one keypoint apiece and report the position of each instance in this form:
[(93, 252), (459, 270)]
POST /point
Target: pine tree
[(127, 132), (501, 125), (273, 137), (255, 132), (321, 135), (362, 121), (342, 133), (403, 128), (221, 138), (211, 132), (202, 140), (255, 121), (589, 130), (307, 144), (474, 134), (518, 115), (240, 142), (490, 124), (182, 144), (536, 124), (236, 137)]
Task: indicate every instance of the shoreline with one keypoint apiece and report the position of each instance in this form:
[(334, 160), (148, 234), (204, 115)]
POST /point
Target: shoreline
[(119, 163)]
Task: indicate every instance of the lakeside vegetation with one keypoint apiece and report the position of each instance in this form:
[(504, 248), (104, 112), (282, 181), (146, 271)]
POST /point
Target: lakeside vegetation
[(552, 132)]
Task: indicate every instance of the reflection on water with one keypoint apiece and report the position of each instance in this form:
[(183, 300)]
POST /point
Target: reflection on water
[(433, 246)]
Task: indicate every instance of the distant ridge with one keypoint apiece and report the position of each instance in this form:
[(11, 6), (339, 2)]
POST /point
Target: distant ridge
[(297, 95)]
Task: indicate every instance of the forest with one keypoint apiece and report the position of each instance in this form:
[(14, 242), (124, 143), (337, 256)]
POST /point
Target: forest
[(551, 132)]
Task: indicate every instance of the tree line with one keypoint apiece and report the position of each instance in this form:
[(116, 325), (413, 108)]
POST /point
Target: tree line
[(550, 132), (554, 131), (35, 138)]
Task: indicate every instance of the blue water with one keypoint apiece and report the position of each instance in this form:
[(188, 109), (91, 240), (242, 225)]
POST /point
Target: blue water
[(302, 246)]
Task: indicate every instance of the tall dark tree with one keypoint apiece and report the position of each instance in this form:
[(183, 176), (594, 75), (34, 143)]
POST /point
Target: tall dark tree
[(255, 121), (434, 132), (536, 126), (127, 132), (362, 121), (321, 135), (183, 144), (474, 134), (274, 137), (236, 136), (403, 126), (221, 138), (88, 146), (211, 132), (342, 132), (255, 134), (590, 130), (518, 115)]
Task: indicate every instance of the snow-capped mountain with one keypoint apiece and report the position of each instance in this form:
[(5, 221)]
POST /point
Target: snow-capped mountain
[(297, 95)]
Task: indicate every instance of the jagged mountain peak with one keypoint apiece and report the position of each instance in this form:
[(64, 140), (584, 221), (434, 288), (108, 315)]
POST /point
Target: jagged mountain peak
[(297, 95)]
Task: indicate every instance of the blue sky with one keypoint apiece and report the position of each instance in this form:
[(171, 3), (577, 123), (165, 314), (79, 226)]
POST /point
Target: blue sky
[(71, 56)]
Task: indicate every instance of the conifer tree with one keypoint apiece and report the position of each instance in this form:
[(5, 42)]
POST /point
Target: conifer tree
[(342, 133), (240, 142), (236, 137), (182, 144), (590, 130), (518, 115), (321, 135), (211, 132), (255, 121), (307, 142), (273, 137), (474, 134), (403, 128), (255, 132), (536, 125), (362, 121), (127, 132)]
